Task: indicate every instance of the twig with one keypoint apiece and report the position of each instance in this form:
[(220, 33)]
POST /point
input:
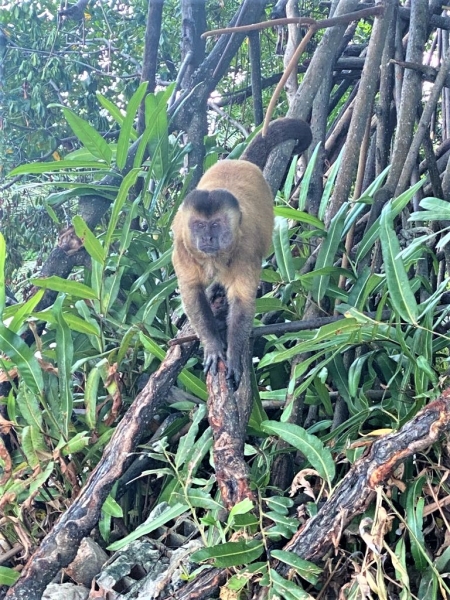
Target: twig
[(223, 114), (290, 327)]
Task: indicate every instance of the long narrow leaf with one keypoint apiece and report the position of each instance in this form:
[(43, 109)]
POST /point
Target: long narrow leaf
[(90, 242), (2, 274), (127, 126), (88, 136), (115, 112), (57, 165), (23, 358), (282, 247), (310, 446), (398, 204), (150, 525), (128, 181), (329, 186), (231, 554), (24, 311), (401, 294), (327, 253), (434, 209), (304, 189), (64, 357), (67, 286), (414, 514), (288, 212)]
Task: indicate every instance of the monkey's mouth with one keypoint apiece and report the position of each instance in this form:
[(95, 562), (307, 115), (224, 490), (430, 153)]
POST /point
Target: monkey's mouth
[(208, 248)]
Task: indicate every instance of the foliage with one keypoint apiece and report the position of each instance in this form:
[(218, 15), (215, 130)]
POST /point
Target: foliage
[(82, 361), (101, 336)]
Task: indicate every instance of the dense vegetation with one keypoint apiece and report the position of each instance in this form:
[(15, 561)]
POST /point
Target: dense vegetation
[(107, 122)]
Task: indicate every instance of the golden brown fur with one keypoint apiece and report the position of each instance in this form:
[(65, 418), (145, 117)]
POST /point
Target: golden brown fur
[(234, 205)]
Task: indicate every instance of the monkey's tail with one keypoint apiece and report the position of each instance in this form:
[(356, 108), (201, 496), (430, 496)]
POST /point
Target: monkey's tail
[(279, 131)]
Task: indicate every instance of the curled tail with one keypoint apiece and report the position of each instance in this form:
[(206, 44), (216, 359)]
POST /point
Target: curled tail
[(279, 131)]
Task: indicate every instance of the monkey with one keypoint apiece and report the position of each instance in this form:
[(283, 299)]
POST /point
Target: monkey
[(222, 231)]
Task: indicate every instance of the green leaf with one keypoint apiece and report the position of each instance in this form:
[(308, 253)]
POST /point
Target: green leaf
[(76, 444), (8, 576), (192, 383), (279, 504), (434, 209), (186, 443), (2, 274), (150, 525), (64, 358), (23, 358), (304, 189), (327, 253), (287, 188), (127, 126), (41, 478), (115, 112), (329, 186), (401, 294), (311, 447), (304, 568), (282, 247), (91, 392), (59, 198), (29, 406), (199, 499), (67, 286), (265, 305), (57, 165), (31, 442), (414, 518), (231, 554), (88, 136), (299, 216), (23, 311), (75, 323), (288, 590), (401, 571), (90, 242), (333, 335), (112, 508), (128, 181), (241, 508), (397, 205), (156, 133)]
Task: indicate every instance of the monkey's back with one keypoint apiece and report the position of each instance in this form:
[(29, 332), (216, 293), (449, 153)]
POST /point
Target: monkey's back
[(247, 184)]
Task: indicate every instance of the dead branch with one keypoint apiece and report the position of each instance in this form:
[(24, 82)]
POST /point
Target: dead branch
[(356, 491)]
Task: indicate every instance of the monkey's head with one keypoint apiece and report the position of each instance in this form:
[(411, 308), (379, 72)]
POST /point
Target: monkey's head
[(214, 218)]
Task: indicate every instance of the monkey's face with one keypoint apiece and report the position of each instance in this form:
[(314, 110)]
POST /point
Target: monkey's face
[(211, 235)]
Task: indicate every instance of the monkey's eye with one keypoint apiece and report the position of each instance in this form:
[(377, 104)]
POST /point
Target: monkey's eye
[(200, 225), (214, 225)]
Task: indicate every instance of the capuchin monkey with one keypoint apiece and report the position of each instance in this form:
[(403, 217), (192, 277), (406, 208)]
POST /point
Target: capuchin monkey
[(222, 231)]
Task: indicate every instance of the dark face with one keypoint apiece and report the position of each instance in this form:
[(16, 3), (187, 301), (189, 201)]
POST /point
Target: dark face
[(212, 235)]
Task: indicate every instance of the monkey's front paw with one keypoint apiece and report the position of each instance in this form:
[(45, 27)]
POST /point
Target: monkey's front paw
[(213, 353), (234, 371)]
